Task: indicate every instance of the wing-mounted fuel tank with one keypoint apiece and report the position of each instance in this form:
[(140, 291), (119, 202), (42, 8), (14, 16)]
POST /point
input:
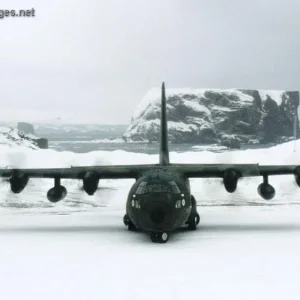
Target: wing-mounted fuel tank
[(58, 192), (266, 190)]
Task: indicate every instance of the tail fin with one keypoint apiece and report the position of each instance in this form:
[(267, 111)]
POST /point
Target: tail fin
[(164, 149)]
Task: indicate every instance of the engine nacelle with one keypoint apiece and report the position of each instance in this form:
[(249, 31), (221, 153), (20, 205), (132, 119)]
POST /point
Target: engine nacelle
[(18, 182), (57, 193), (266, 191), (90, 182), (297, 175), (230, 180)]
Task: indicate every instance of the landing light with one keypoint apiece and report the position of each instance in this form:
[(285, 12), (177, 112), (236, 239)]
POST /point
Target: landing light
[(137, 204), (179, 203)]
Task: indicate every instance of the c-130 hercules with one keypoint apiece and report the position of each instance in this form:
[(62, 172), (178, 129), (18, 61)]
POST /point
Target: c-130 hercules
[(160, 201)]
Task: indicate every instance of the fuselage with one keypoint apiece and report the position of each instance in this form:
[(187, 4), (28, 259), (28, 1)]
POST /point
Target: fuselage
[(159, 201)]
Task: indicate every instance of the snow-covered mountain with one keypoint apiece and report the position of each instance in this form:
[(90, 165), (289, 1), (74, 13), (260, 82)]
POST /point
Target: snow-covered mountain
[(14, 138), (217, 116)]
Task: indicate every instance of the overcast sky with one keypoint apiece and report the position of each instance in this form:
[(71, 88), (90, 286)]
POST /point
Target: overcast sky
[(98, 58)]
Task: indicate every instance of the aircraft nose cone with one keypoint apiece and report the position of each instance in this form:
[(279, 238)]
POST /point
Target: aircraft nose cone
[(158, 215)]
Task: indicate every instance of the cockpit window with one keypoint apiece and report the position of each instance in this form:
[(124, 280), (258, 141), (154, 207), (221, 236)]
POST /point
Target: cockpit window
[(140, 189), (175, 188), (157, 188)]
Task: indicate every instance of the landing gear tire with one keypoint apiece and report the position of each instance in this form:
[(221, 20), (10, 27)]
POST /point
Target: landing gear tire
[(159, 237), (197, 219), (126, 220), (192, 225), (131, 227), (128, 223)]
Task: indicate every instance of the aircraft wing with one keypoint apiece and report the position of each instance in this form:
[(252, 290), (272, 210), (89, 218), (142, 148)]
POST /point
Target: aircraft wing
[(232, 172), (102, 172), (242, 170), (92, 174), (134, 171)]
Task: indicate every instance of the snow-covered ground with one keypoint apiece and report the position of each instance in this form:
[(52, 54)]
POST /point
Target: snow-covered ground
[(80, 249), (236, 253)]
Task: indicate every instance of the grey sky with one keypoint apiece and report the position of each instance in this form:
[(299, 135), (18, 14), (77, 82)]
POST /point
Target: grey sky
[(98, 58)]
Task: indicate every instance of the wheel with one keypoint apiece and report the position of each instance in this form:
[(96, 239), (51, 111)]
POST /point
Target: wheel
[(128, 223), (192, 224), (126, 220), (131, 226), (197, 219), (193, 200), (159, 237)]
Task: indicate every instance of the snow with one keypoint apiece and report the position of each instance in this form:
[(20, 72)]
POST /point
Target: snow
[(182, 126), (223, 108), (242, 96), (237, 253), (214, 147), (275, 95), (10, 137), (80, 249), (197, 107)]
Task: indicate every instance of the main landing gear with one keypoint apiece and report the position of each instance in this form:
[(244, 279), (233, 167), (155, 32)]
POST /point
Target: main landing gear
[(193, 222), (194, 217), (128, 223)]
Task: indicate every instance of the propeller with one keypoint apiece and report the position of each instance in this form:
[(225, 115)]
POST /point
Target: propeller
[(82, 195), (15, 161)]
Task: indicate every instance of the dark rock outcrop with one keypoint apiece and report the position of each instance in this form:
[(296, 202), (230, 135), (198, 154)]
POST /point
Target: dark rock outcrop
[(228, 117), (42, 143), (27, 129)]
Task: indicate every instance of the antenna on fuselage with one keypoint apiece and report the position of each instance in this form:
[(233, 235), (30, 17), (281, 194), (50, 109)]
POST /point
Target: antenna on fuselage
[(164, 148)]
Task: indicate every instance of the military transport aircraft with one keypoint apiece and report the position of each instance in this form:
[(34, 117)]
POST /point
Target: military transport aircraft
[(160, 201)]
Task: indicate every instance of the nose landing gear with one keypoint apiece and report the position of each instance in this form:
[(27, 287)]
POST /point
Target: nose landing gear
[(159, 237)]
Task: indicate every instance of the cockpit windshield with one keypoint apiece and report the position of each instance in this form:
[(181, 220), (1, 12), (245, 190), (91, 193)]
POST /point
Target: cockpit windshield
[(174, 187), (145, 187)]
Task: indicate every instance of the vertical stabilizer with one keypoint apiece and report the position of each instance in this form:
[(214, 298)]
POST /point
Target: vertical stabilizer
[(164, 149)]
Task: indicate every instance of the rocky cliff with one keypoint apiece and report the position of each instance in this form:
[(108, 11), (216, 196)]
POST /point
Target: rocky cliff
[(28, 129), (228, 117), (12, 137)]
